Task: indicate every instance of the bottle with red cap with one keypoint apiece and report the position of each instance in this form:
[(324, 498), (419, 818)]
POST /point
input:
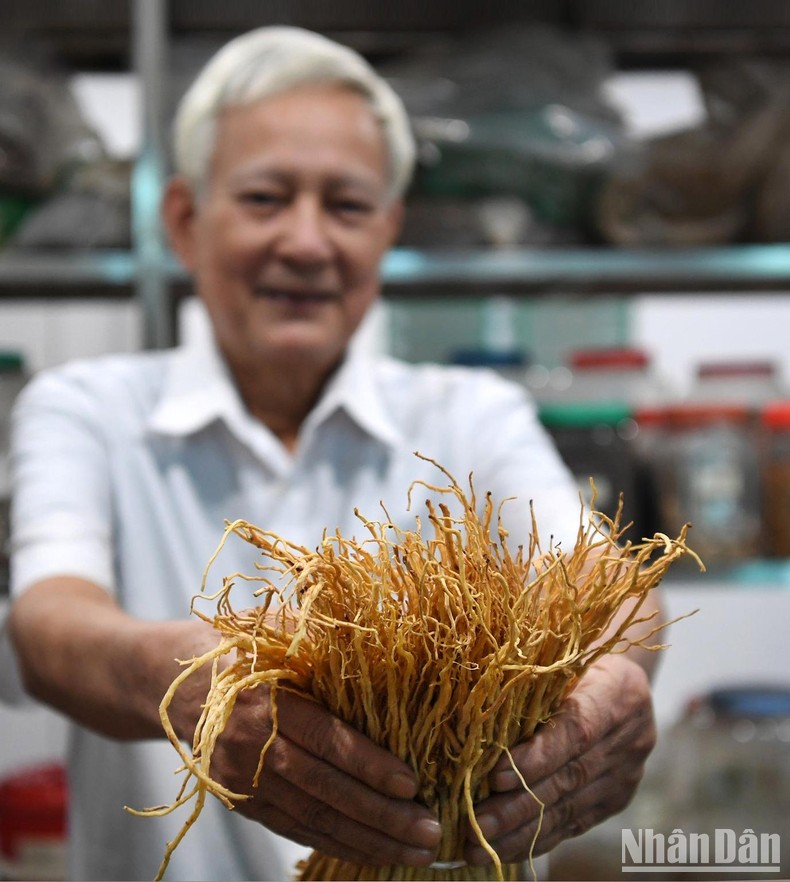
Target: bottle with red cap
[(33, 823), (598, 431), (713, 464), (621, 373), (711, 480), (750, 382)]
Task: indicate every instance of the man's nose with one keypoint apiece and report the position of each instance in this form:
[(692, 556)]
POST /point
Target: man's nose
[(305, 237)]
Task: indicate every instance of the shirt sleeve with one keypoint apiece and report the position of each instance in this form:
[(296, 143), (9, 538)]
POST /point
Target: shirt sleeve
[(61, 497)]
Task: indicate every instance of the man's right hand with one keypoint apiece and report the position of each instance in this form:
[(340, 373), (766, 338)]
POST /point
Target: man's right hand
[(323, 783)]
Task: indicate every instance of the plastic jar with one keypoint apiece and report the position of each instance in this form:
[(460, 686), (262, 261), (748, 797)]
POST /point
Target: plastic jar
[(775, 468), (33, 823), (594, 440), (710, 478), (618, 374), (749, 383), (727, 764), (649, 448)]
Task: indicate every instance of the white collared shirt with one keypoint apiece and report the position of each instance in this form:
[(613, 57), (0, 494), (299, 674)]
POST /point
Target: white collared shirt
[(125, 469)]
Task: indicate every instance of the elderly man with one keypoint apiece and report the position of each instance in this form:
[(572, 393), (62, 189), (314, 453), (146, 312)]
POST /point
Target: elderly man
[(292, 157)]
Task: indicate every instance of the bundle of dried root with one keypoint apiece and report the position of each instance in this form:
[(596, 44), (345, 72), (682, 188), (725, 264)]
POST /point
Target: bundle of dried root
[(439, 643)]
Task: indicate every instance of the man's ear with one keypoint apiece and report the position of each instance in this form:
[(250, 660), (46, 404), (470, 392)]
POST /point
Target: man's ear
[(179, 208)]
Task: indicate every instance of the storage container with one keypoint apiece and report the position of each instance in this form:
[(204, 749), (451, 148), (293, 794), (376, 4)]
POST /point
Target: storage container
[(775, 467), (710, 478), (594, 440), (33, 813)]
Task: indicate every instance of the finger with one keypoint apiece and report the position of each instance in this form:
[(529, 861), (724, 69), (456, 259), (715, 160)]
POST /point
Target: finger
[(570, 816), (617, 760), (286, 825), (324, 735), (614, 695), (336, 803), (570, 747), (309, 821)]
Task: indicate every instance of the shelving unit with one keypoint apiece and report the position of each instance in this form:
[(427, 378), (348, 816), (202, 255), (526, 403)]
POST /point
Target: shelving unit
[(148, 275), (64, 274), (138, 35), (590, 270), (528, 271)]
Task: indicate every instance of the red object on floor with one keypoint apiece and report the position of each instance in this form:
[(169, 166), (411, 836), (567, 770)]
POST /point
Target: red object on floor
[(33, 814)]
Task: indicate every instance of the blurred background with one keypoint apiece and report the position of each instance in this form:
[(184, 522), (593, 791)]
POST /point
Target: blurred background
[(601, 212)]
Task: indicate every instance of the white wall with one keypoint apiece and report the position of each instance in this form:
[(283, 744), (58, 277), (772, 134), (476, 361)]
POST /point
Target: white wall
[(681, 330)]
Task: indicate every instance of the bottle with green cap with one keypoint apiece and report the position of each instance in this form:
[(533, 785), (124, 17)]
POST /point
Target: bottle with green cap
[(596, 429), (594, 438)]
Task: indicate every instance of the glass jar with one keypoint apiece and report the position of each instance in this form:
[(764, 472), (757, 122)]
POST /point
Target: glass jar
[(727, 767), (710, 478), (775, 468)]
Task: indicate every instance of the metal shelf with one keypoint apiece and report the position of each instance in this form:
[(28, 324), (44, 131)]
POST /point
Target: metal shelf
[(535, 271), (409, 272), (64, 273)]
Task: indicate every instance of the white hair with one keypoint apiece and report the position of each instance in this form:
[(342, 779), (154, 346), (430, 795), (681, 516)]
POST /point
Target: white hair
[(271, 60)]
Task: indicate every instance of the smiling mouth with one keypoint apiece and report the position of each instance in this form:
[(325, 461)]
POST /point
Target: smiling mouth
[(296, 298)]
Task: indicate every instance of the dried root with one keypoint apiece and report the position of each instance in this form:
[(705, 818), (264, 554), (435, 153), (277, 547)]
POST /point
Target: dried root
[(440, 644)]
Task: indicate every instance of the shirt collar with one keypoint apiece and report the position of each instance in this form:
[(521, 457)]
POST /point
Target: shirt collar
[(199, 389), (354, 390)]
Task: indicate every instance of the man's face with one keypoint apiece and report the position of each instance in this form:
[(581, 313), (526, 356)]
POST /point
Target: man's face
[(286, 240)]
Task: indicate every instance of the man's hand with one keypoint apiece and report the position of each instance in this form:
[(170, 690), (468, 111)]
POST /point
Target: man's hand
[(324, 784), (584, 765)]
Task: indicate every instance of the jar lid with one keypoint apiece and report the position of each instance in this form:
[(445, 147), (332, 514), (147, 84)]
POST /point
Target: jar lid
[(751, 701), (611, 358), (776, 415), (583, 414), (651, 416), (686, 416), (11, 361), (753, 368), (486, 358)]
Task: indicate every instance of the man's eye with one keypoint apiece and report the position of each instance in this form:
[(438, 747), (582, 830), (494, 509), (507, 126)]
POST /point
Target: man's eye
[(352, 207), (261, 198)]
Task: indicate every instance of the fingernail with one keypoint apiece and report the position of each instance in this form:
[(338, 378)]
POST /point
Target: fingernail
[(419, 857), (428, 832), (505, 781), (401, 785)]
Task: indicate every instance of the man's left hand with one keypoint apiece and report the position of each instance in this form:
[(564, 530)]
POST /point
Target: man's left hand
[(584, 765)]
